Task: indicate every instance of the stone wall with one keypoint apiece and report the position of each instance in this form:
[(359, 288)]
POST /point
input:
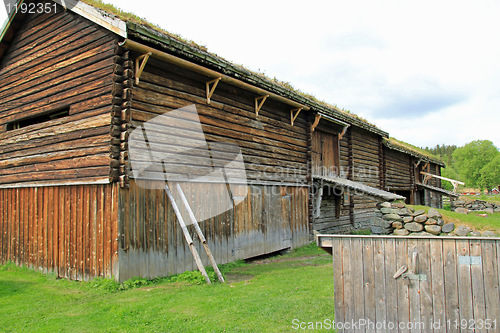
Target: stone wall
[(464, 207), (399, 220)]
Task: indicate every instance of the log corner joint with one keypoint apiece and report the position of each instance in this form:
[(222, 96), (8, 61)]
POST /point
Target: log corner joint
[(258, 105), (317, 118), (293, 117), (210, 91), (139, 69)]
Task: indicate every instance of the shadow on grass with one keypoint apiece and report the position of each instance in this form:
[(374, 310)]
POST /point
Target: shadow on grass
[(9, 288)]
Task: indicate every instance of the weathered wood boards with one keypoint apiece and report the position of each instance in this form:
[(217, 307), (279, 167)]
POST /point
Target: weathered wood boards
[(452, 291), (151, 241), (57, 61), (69, 230)]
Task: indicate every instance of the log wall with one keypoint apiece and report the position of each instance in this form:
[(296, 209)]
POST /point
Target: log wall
[(366, 163), (398, 171), (270, 218), (69, 230), (57, 61), (273, 149)]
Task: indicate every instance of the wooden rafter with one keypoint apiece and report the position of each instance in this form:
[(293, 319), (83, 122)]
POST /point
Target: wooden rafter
[(317, 118), (293, 117), (210, 91), (138, 69), (258, 105)]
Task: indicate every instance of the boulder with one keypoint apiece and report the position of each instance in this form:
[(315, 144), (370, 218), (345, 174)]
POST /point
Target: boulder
[(489, 234), (431, 222), (393, 217), (411, 209), (419, 212), (398, 205), (376, 230), (414, 227), (448, 227), (440, 222), (397, 225), (462, 230), (420, 218), (378, 222), (462, 210), (482, 215), (404, 212), (433, 229), (497, 210), (489, 210), (385, 205), (434, 214), (388, 211), (401, 232), (407, 219), (475, 233)]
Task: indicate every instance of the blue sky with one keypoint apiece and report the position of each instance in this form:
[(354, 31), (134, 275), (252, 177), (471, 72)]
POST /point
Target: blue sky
[(427, 72)]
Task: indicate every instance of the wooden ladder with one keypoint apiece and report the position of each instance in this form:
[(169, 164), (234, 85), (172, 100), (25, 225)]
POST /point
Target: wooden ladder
[(187, 236)]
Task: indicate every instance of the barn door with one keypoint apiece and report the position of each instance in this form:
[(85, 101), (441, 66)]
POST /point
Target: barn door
[(276, 217)]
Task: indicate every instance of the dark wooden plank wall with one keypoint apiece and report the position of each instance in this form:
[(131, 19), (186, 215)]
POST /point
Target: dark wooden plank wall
[(398, 169), (55, 61), (272, 148), (69, 230), (152, 244), (365, 158)]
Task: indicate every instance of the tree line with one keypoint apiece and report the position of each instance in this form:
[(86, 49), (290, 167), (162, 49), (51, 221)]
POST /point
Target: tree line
[(477, 164)]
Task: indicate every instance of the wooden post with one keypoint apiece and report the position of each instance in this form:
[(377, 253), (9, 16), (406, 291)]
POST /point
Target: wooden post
[(187, 235), (200, 234)]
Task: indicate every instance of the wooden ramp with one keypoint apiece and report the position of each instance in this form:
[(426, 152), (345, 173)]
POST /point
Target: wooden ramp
[(415, 284)]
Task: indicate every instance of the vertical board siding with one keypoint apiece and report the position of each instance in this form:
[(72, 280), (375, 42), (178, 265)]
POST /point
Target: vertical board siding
[(267, 220), (65, 229), (451, 295)]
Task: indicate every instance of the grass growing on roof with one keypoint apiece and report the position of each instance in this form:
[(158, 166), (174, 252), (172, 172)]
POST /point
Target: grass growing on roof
[(269, 294)]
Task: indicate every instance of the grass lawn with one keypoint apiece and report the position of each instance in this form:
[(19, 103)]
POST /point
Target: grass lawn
[(472, 220), (261, 296), (483, 197)]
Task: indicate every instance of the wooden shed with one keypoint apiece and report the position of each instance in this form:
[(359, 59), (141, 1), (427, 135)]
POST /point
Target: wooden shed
[(76, 82)]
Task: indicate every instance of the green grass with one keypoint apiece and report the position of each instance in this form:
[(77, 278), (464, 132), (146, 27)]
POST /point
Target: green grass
[(483, 197), (472, 220), (271, 292)]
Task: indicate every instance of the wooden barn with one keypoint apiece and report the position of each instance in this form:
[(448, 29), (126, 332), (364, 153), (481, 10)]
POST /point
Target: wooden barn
[(79, 197)]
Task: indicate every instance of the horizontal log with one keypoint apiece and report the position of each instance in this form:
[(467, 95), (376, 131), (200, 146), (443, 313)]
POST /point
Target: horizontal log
[(49, 102), (66, 143), (63, 175), (65, 164), (243, 113), (53, 156), (35, 90), (11, 137)]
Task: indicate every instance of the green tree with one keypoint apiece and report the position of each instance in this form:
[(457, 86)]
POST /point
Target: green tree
[(470, 159), (490, 174), (449, 172)]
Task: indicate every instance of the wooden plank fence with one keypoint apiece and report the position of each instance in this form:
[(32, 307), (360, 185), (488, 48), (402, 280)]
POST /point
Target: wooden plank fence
[(453, 287)]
